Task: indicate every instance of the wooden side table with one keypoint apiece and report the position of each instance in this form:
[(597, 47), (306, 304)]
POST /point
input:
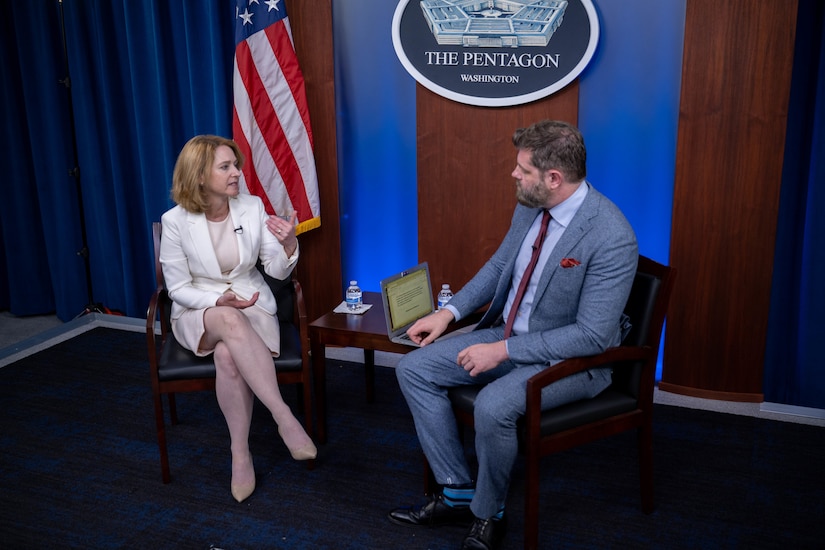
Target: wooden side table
[(367, 331)]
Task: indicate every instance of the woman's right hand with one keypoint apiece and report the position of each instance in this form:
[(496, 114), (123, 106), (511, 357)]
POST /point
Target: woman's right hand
[(229, 299)]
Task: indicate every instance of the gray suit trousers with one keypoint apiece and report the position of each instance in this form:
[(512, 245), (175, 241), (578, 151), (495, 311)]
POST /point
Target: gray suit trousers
[(424, 376)]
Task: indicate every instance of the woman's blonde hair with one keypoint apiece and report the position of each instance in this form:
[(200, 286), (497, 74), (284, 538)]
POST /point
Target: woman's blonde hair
[(193, 168)]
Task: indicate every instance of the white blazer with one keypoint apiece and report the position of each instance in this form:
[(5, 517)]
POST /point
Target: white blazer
[(190, 266)]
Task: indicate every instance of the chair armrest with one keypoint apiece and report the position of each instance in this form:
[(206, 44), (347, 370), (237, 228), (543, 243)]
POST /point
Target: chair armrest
[(153, 344), (152, 310), (158, 310), (536, 383), (302, 322), (580, 364), (300, 304)]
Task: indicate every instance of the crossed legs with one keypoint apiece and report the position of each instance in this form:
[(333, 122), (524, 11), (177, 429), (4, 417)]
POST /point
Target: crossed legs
[(244, 370)]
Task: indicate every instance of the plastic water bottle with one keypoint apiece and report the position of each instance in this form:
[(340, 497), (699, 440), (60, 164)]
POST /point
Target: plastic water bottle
[(444, 296), (353, 296)]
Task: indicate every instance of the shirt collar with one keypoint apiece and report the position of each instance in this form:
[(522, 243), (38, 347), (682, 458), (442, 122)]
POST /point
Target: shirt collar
[(563, 212)]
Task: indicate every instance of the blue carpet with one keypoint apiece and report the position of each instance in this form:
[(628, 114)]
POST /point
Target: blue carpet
[(79, 468)]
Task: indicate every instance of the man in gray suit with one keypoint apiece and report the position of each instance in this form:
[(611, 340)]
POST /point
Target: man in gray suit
[(570, 304)]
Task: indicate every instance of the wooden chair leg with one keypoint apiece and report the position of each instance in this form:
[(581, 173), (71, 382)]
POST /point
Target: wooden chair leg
[(299, 394), (306, 401), (646, 467), (308, 425), (173, 410), (531, 502), (161, 429), (369, 374)]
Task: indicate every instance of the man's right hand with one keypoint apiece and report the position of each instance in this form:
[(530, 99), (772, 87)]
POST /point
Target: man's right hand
[(428, 328)]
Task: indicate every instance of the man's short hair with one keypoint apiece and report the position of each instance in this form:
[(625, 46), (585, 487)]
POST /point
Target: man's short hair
[(555, 145)]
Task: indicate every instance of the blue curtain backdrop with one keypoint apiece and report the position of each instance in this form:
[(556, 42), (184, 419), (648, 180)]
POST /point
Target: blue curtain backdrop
[(145, 76), (148, 75), (794, 368), (39, 213)]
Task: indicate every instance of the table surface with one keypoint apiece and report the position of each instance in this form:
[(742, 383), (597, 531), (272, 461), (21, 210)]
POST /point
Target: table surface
[(367, 330)]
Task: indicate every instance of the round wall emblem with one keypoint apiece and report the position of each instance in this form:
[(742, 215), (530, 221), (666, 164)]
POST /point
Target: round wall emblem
[(495, 53)]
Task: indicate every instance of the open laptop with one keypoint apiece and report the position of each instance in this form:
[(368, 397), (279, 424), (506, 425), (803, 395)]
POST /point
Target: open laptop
[(407, 297)]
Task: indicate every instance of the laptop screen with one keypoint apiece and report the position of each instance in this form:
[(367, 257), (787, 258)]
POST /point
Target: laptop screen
[(408, 297)]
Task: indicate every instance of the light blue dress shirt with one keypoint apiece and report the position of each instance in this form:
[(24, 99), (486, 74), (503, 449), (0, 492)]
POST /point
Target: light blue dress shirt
[(561, 214)]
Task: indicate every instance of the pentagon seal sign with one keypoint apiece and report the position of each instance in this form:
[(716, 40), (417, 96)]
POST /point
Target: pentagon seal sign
[(495, 53)]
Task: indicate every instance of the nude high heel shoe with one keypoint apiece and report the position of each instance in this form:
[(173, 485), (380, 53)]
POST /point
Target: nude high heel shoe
[(245, 471), (242, 492), (307, 452), (304, 452)]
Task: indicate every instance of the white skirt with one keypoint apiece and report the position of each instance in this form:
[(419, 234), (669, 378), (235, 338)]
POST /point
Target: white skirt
[(189, 330)]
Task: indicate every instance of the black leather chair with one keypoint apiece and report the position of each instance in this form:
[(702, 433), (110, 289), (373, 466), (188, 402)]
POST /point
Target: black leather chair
[(625, 405), (175, 369)]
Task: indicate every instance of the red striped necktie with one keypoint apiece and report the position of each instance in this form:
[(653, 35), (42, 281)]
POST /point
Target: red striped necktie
[(528, 272)]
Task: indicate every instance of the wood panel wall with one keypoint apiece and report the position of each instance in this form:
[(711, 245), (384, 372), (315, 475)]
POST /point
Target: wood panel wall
[(734, 104), (466, 194), (319, 268)]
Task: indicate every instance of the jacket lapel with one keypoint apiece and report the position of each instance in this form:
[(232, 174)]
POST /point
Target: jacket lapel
[(199, 236), (524, 222), (578, 228)]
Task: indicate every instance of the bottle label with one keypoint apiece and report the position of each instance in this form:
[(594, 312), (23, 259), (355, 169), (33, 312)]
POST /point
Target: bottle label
[(353, 298)]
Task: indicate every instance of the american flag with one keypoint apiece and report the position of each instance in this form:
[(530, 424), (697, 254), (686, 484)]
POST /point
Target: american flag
[(270, 120)]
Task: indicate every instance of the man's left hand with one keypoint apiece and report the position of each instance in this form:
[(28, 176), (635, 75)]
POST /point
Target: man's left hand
[(482, 357)]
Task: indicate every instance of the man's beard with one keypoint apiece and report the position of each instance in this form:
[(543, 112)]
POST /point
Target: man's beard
[(536, 197)]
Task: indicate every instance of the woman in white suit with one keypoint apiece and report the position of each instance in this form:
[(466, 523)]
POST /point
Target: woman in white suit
[(210, 244)]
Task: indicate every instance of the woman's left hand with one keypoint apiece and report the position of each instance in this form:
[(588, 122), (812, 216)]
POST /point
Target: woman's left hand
[(284, 231)]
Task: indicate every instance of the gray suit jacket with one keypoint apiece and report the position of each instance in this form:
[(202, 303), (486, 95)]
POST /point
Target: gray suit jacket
[(577, 310)]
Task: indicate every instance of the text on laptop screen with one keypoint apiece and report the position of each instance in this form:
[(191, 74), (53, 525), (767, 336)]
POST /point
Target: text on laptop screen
[(407, 298)]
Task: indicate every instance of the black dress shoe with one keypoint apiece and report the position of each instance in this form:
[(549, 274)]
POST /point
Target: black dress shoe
[(433, 514), (485, 534)]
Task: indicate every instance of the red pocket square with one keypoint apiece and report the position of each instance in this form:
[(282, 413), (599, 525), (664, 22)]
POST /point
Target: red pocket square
[(569, 262)]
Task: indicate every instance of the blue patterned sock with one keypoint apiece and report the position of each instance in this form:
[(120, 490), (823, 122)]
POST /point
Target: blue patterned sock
[(458, 495)]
